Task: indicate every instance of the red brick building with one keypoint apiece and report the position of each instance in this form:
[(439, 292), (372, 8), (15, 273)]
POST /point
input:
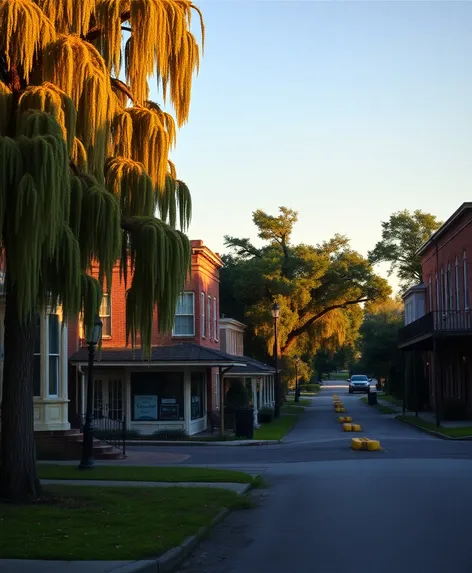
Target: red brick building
[(180, 384), (438, 319)]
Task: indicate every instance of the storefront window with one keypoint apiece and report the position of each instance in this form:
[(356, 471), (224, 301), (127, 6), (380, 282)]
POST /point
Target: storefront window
[(157, 396), (197, 395)]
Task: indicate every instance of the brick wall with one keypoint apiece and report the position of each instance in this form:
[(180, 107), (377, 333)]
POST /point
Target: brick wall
[(204, 279), (454, 242)]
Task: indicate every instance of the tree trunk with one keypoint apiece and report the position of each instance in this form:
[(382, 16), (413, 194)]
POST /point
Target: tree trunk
[(18, 476)]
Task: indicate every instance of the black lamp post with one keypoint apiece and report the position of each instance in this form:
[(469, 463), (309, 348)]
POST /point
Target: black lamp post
[(275, 315), (297, 387), (87, 445)]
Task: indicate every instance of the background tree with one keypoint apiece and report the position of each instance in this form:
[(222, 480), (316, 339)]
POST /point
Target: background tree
[(402, 236), (380, 356), (314, 286), (83, 167)]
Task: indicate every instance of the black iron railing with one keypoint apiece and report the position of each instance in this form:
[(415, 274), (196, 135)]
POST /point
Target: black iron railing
[(447, 321), (111, 431)]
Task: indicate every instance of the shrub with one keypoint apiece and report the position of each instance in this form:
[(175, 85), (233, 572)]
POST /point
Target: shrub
[(171, 434), (237, 395), (309, 388), (265, 415)]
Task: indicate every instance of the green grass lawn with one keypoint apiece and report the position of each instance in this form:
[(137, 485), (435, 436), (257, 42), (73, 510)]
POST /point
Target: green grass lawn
[(391, 399), (301, 401), (277, 429), (143, 473), (78, 523), (450, 432), (339, 375), (380, 407), (289, 409)]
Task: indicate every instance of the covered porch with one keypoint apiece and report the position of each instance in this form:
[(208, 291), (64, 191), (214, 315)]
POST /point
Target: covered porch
[(171, 392), (259, 381)]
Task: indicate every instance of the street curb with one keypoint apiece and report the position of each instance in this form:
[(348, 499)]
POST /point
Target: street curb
[(174, 557), (433, 433), (203, 443)]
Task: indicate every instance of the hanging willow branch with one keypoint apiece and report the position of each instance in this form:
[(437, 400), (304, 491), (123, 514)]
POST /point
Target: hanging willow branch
[(86, 160)]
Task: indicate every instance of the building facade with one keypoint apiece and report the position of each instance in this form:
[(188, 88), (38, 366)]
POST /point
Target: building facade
[(176, 388), (438, 320)]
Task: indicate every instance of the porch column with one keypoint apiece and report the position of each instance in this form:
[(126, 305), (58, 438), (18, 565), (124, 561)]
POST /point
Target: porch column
[(272, 387), (254, 401), (261, 390)]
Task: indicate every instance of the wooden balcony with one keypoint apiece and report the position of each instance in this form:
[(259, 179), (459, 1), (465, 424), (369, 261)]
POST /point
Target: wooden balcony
[(441, 323)]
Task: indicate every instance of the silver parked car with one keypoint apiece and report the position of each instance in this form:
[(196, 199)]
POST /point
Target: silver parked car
[(359, 383)]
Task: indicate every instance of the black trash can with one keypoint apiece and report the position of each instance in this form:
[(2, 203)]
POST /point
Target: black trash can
[(372, 398), (244, 423)]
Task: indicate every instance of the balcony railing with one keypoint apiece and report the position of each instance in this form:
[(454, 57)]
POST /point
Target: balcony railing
[(447, 321)]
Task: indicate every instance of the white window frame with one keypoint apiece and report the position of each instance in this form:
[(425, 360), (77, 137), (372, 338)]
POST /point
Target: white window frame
[(186, 335), (203, 303), (437, 291), (465, 280), (209, 317), (215, 319), (450, 302), (102, 315), (458, 290), (55, 355)]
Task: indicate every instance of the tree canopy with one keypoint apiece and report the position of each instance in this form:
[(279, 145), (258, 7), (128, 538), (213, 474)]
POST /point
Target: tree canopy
[(318, 288), (402, 236), (84, 168), (378, 346)]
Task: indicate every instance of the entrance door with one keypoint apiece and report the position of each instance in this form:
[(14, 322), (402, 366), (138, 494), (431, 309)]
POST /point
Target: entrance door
[(108, 398)]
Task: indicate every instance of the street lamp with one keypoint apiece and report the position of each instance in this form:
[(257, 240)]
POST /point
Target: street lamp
[(87, 445), (297, 387), (275, 315)]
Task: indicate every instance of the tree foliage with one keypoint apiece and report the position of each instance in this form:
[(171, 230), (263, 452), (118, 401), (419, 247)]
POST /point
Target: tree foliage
[(318, 288), (84, 164), (378, 347), (402, 236)]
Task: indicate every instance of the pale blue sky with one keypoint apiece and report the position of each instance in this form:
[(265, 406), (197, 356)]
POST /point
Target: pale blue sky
[(344, 111)]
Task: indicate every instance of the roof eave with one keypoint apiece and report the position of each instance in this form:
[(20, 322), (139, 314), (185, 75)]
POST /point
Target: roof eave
[(443, 228)]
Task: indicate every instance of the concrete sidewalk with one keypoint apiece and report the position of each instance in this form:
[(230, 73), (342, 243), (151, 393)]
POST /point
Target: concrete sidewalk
[(239, 488)]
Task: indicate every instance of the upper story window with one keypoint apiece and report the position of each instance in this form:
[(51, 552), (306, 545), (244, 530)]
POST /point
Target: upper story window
[(105, 315), (450, 301), (458, 297), (209, 317), (430, 293), (215, 321), (437, 291), (202, 304), (184, 322), (465, 277), (443, 291)]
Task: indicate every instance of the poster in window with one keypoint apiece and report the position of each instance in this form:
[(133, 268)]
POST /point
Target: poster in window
[(145, 408)]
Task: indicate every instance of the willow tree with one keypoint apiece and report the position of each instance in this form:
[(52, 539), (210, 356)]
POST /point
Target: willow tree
[(84, 170)]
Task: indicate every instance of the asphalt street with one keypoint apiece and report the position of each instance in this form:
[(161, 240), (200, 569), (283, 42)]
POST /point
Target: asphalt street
[(328, 509)]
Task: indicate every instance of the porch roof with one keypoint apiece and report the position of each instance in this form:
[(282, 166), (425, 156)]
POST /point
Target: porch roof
[(253, 368), (186, 354)]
